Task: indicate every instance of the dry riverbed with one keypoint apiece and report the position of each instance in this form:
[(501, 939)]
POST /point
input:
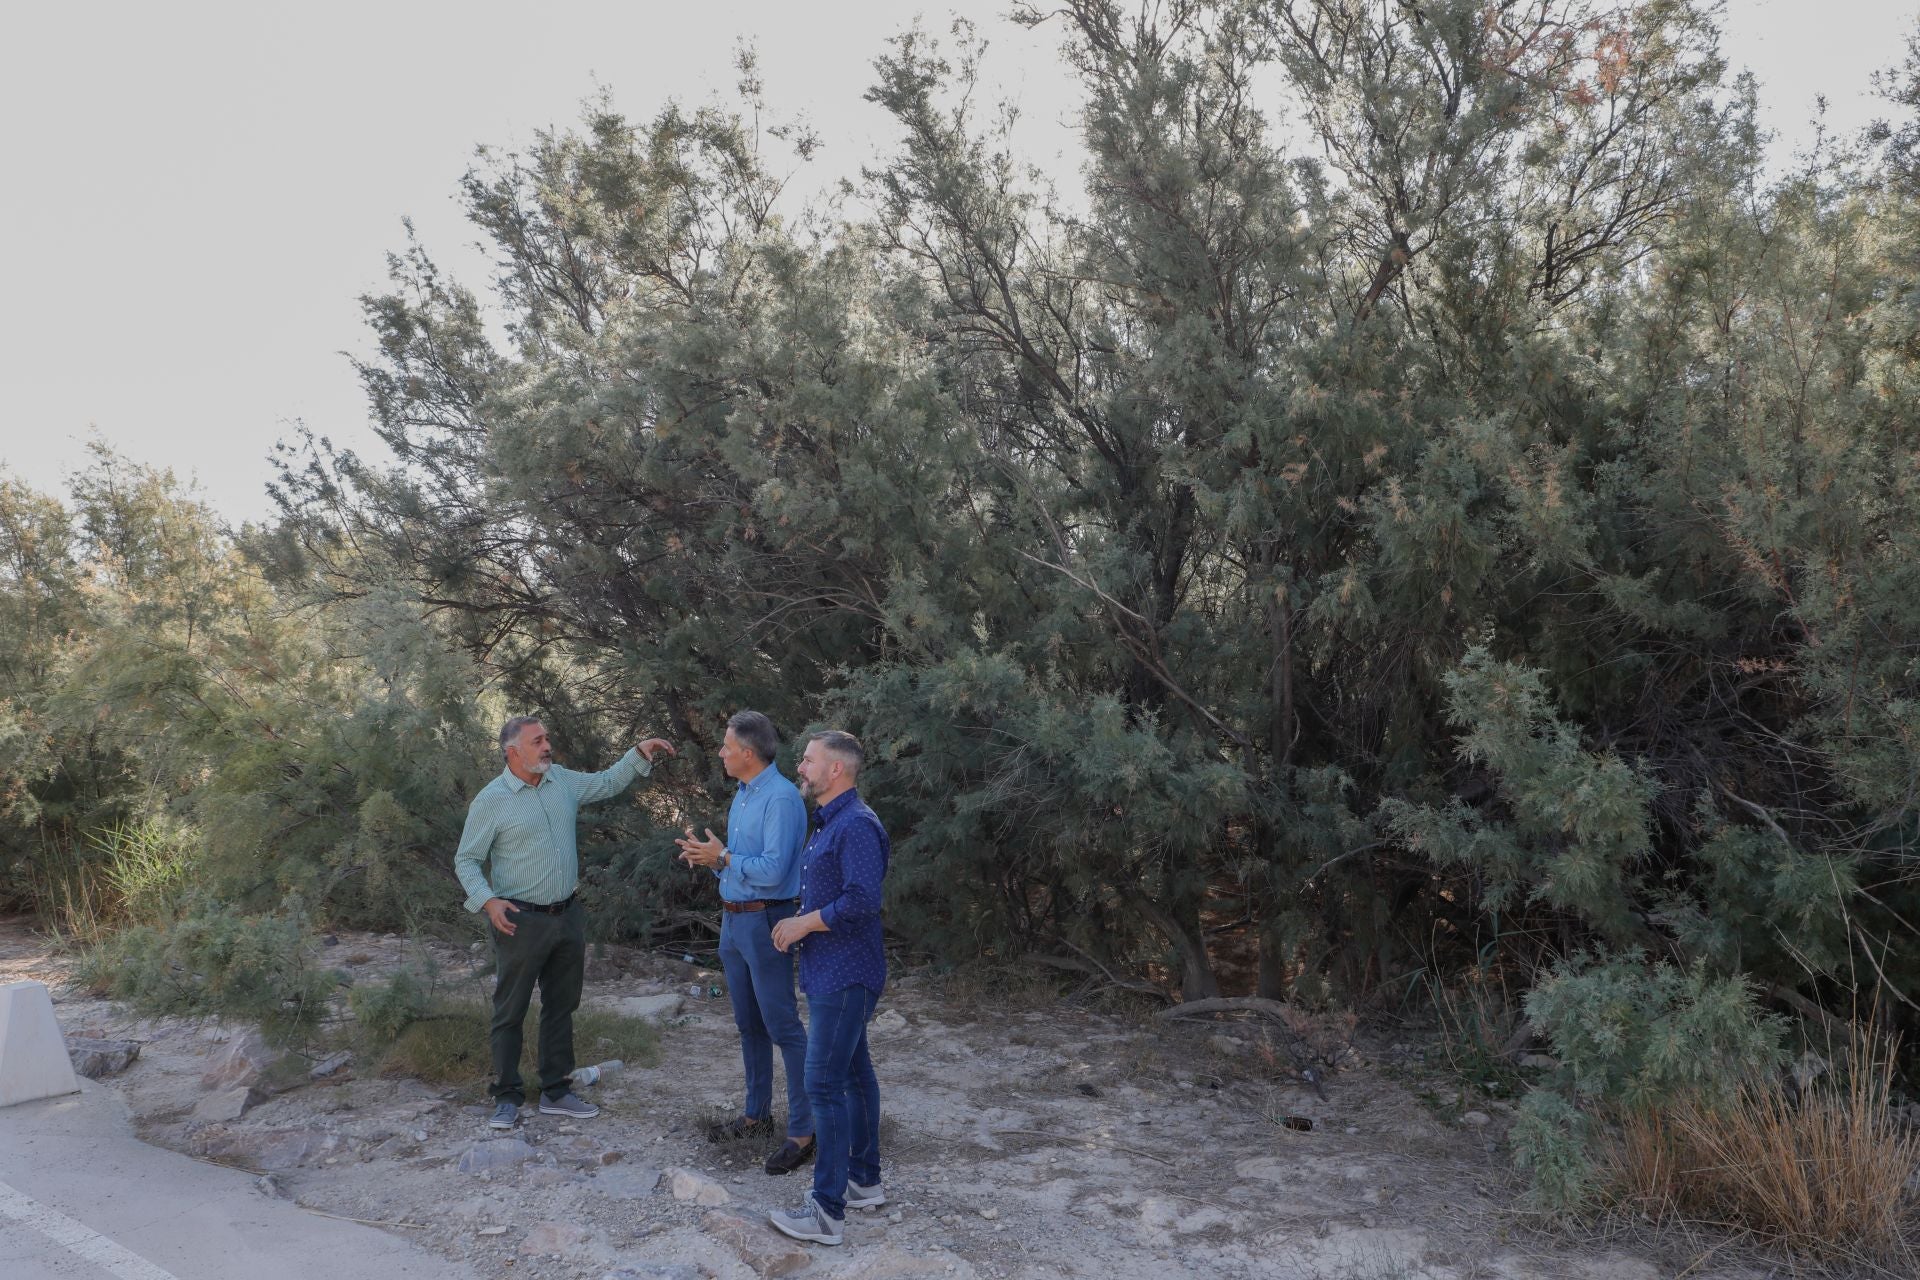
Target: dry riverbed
[(1019, 1143)]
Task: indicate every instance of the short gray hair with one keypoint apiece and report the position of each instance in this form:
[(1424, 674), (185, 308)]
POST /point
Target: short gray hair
[(845, 746), (511, 730), (756, 733)]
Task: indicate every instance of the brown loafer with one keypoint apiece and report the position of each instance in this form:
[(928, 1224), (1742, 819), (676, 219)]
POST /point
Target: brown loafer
[(790, 1156)]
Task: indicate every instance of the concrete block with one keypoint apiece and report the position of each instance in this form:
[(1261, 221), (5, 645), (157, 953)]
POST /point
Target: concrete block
[(33, 1054)]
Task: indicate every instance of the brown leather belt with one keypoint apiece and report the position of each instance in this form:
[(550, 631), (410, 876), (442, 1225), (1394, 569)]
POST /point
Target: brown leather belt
[(759, 904)]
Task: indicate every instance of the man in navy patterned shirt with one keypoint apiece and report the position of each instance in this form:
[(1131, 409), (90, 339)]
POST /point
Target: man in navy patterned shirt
[(843, 966)]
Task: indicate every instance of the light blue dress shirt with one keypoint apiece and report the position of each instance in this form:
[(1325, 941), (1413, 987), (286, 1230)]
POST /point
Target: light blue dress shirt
[(766, 829)]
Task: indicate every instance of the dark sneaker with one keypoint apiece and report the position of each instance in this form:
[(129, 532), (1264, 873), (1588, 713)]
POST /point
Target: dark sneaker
[(790, 1156), (568, 1105), (739, 1127), (505, 1116), (808, 1222), (859, 1197)]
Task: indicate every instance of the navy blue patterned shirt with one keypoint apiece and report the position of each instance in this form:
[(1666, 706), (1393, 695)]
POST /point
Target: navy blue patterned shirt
[(841, 871)]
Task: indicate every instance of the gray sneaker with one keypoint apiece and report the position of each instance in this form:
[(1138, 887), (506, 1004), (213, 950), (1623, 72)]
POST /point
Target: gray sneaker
[(808, 1222), (505, 1116), (568, 1105), (859, 1197)]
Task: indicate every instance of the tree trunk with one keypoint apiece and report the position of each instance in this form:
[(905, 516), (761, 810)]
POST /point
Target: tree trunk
[(1196, 973)]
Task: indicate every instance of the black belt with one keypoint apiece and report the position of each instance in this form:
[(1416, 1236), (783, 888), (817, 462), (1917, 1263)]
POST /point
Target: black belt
[(545, 908)]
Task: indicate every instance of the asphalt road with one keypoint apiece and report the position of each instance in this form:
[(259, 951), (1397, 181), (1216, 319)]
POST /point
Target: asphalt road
[(82, 1199)]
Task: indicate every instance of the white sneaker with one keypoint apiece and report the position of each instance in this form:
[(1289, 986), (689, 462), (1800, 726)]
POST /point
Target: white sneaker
[(859, 1197), (808, 1222)]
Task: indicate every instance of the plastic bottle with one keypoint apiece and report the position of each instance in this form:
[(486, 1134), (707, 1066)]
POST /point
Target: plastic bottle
[(591, 1075)]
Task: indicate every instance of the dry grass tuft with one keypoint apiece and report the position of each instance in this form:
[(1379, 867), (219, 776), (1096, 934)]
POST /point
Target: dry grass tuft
[(449, 1044), (1826, 1176)]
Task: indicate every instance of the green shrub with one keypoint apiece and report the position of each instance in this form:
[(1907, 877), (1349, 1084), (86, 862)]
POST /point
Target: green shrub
[(253, 967), (1632, 1034), (1550, 1143), (1632, 1038), (384, 1011)]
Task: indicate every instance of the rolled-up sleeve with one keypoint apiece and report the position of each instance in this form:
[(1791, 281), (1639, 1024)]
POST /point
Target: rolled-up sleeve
[(476, 844), (863, 866)]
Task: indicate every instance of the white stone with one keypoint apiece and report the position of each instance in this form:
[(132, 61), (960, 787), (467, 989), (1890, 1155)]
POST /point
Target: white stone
[(651, 1008), (697, 1187), (33, 1054)]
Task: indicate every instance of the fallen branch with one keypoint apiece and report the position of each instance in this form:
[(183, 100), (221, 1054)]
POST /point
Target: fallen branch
[(1311, 1062), (1278, 1010), (1087, 964)]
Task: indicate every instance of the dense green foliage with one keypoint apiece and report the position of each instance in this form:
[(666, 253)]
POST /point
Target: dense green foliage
[(1431, 498)]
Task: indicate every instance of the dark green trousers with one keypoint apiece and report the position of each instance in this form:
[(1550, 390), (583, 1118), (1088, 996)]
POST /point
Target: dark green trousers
[(548, 951)]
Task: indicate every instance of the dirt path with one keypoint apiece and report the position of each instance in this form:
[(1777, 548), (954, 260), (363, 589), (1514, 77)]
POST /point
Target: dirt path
[(1018, 1143)]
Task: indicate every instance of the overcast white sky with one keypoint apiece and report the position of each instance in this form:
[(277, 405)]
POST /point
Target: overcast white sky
[(195, 194)]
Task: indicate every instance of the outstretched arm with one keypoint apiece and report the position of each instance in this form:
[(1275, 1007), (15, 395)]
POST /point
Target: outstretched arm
[(637, 763)]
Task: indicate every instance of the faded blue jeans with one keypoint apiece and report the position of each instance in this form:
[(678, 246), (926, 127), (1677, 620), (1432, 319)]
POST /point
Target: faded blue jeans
[(844, 1093), (760, 984)]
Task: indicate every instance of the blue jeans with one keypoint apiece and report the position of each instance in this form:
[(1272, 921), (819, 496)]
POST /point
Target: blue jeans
[(760, 984), (845, 1095)]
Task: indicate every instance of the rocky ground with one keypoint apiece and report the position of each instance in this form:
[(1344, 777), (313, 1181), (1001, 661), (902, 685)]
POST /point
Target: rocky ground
[(1020, 1142)]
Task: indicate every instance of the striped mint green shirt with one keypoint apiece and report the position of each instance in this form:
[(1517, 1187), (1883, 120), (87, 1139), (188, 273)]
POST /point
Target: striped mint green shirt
[(527, 832)]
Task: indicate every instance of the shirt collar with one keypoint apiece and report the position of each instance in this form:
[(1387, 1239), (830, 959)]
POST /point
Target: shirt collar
[(513, 780), (832, 809), (761, 778)]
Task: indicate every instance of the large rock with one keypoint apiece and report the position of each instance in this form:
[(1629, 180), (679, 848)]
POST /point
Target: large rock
[(757, 1244), (500, 1153), (331, 1066), (696, 1187), (887, 1023), (240, 1061), (227, 1104), (96, 1058), (266, 1150), (652, 1008)]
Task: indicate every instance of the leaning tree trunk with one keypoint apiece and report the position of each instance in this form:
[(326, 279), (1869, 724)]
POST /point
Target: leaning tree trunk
[(1196, 973)]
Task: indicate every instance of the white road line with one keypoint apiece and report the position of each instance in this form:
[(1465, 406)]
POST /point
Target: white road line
[(78, 1238)]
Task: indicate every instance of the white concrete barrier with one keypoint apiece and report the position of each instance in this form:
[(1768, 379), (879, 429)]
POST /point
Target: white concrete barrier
[(33, 1053)]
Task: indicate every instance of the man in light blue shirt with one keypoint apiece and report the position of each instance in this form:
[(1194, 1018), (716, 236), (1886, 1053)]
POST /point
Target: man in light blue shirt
[(758, 869), (522, 825)]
